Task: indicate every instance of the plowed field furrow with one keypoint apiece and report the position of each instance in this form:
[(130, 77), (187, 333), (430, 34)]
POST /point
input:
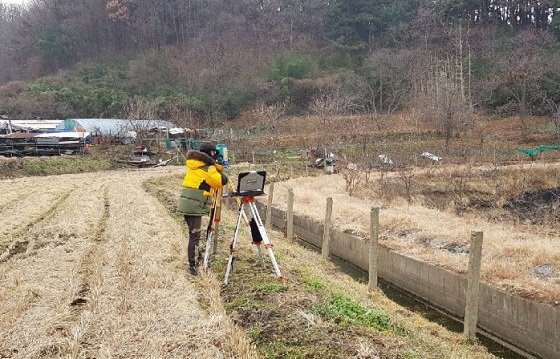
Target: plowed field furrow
[(145, 268), (10, 199), (43, 291), (78, 216), (29, 212), (104, 276), (38, 313), (14, 190)]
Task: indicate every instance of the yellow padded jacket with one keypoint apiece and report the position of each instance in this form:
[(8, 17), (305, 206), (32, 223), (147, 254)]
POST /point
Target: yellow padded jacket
[(202, 178)]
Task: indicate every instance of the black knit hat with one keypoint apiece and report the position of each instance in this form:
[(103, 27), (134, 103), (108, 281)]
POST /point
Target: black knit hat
[(206, 147)]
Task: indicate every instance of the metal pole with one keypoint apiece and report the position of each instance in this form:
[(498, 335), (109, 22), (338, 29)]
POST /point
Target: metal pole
[(233, 245), (265, 239)]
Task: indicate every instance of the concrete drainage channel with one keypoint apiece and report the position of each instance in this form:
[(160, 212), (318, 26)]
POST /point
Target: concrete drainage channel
[(418, 306), (524, 326)]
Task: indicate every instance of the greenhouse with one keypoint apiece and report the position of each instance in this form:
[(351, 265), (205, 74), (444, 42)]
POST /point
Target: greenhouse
[(111, 126)]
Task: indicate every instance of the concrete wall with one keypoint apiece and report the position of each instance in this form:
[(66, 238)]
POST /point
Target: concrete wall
[(533, 327)]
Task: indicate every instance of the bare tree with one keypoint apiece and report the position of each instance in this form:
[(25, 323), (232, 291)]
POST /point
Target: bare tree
[(439, 97), (140, 109), (554, 107), (388, 80), (8, 15), (269, 115), (521, 65)]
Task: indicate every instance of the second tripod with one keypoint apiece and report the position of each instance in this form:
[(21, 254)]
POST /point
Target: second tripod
[(259, 237)]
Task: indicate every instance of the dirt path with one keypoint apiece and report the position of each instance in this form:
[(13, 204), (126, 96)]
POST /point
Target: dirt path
[(93, 266)]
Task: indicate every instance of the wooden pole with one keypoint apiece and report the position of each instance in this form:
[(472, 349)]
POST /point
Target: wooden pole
[(373, 248), (290, 215), (473, 289), (268, 223), (216, 233), (327, 231), (217, 219)]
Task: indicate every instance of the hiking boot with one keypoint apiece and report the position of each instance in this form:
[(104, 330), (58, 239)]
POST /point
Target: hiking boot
[(193, 270)]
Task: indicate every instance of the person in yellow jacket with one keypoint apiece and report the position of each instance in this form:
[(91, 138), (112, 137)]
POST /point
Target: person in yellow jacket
[(203, 177)]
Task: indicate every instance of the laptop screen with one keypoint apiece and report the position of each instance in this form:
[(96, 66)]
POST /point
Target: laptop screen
[(250, 183)]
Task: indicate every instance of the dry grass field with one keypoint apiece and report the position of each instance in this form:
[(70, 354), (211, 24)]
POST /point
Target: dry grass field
[(428, 209), (92, 265), (519, 255)]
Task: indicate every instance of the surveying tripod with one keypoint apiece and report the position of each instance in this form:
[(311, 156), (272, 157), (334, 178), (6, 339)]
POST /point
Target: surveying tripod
[(215, 217), (261, 234)]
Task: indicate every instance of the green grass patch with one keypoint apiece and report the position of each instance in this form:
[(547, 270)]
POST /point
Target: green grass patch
[(62, 165), (313, 282), (342, 309), (241, 304), (271, 288)]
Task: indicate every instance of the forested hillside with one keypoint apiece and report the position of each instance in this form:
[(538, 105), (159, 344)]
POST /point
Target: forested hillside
[(202, 63)]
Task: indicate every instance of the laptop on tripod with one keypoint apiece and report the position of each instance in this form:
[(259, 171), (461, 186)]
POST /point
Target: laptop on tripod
[(250, 184)]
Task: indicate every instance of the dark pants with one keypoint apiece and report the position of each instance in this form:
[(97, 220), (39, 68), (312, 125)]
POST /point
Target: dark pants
[(194, 223)]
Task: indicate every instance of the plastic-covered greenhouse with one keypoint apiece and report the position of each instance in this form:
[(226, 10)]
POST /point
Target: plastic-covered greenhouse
[(112, 126)]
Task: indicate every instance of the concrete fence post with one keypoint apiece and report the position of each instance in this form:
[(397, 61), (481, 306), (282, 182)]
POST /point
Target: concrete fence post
[(473, 288), (290, 215), (327, 231), (373, 248), (268, 223)]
